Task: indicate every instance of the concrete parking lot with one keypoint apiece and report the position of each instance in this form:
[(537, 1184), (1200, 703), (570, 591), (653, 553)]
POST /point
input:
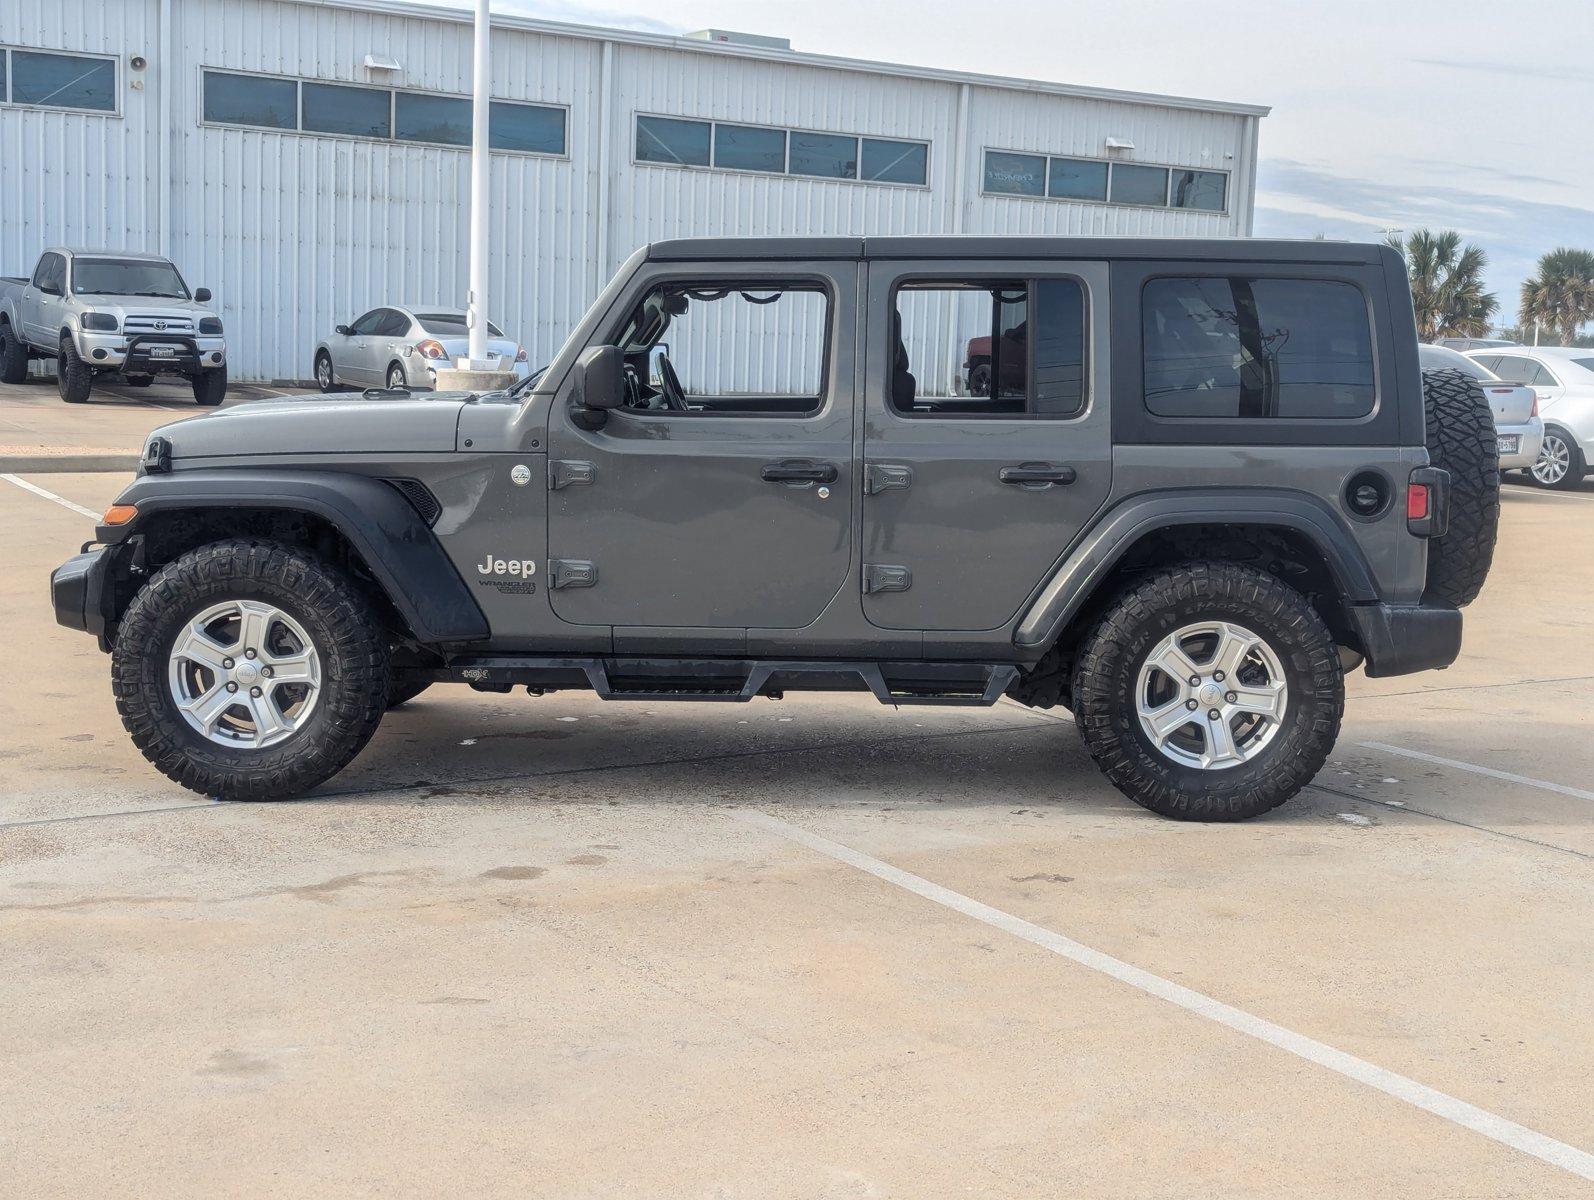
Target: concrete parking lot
[(552, 947)]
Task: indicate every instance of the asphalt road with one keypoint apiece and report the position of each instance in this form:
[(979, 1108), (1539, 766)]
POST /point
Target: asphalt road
[(552, 947)]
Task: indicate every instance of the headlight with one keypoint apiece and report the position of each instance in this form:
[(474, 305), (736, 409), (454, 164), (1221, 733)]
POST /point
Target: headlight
[(98, 322), (210, 326)]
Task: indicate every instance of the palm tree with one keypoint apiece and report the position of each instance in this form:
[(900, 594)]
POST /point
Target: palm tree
[(1446, 284), (1561, 293)]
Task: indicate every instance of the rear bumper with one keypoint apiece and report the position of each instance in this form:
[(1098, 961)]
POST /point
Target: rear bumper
[(1401, 640), (81, 592), (1529, 438)]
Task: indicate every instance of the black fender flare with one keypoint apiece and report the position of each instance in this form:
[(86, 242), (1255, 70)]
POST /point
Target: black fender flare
[(1110, 538), (382, 526)]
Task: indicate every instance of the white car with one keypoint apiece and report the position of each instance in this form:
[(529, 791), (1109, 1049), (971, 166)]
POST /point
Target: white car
[(1518, 431), (1563, 380), (402, 347)]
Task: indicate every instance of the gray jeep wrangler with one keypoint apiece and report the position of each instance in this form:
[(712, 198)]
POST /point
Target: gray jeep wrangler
[(1198, 484)]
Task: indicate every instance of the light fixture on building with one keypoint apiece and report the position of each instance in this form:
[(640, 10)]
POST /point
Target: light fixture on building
[(1119, 145), (381, 62)]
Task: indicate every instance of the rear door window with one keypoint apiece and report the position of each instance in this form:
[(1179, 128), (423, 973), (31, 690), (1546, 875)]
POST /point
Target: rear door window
[(1236, 346)]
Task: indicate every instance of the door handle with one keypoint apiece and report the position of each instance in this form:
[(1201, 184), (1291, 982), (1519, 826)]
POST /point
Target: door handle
[(1041, 475), (799, 470)]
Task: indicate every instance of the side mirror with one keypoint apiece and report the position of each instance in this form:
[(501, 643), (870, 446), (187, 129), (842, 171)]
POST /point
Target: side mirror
[(341, 330), (600, 386), (201, 295)]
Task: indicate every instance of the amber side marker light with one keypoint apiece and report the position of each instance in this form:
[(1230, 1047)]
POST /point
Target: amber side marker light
[(119, 514)]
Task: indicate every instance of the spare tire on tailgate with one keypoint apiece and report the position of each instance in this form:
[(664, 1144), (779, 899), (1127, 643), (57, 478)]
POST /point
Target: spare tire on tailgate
[(1460, 431)]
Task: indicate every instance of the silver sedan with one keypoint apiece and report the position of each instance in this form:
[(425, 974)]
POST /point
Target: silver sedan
[(398, 347)]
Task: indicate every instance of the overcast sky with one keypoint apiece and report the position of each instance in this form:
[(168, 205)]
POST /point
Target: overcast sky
[(1397, 113)]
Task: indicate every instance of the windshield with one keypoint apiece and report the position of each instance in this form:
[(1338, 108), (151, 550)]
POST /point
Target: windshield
[(1439, 358), (451, 325), (127, 277)]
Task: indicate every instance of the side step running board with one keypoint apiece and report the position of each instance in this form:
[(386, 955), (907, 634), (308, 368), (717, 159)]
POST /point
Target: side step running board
[(738, 681)]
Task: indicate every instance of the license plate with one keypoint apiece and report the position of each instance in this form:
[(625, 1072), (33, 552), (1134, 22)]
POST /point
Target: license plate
[(1507, 445), (171, 352)]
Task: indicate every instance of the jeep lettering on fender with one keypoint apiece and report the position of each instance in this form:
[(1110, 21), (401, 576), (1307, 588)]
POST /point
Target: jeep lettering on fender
[(1195, 483)]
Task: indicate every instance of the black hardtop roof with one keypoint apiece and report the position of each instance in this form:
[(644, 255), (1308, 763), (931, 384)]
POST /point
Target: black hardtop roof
[(1260, 250)]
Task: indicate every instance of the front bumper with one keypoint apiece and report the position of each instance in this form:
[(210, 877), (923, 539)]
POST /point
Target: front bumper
[(151, 353), (1519, 444), (81, 589), (1402, 640)]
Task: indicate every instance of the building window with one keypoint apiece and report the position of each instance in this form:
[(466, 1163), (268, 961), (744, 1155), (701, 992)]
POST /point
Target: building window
[(749, 148), (672, 141), (1135, 184), (1011, 348), (1096, 181), (1205, 190), (335, 108), (251, 100), (48, 80), (889, 161), (1220, 346), (1015, 174), (666, 140), (1077, 179), (268, 102), (827, 155), (441, 120)]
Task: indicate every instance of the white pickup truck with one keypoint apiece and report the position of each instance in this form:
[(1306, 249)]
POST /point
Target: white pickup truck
[(110, 313)]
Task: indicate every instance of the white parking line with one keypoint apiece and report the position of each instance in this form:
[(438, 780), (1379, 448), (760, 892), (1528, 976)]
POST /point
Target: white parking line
[(1469, 1116), (1507, 776), (61, 500)]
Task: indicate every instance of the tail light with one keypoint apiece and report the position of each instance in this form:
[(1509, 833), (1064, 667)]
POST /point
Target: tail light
[(1417, 499), (430, 349), (1427, 509), (1535, 411), (520, 354)]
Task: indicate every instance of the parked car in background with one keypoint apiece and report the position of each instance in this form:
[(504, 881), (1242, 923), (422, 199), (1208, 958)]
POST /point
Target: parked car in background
[(1518, 430), (398, 347), (1472, 343), (104, 312), (1563, 380)]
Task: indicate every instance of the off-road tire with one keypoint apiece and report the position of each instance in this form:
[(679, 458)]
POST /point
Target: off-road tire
[(13, 356), (1107, 671), (1461, 440), (402, 691), (1576, 465), (73, 377), (210, 387), (352, 646), (326, 380)]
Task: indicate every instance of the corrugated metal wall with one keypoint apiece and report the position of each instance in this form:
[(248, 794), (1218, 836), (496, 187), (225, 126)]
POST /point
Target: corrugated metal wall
[(296, 233)]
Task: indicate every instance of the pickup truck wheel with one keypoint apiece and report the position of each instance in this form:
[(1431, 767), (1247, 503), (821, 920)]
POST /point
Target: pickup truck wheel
[(247, 670), (210, 387), (1210, 692), (13, 356), (1461, 441), (325, 379), (73, 377)]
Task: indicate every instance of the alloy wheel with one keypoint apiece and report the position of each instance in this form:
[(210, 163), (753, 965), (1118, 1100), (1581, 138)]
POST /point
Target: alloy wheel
[(244, 674), (1554, 461), (1211, 695)]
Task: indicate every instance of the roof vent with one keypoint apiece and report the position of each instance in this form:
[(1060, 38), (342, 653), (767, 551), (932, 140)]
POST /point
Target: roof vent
[(728, 37)]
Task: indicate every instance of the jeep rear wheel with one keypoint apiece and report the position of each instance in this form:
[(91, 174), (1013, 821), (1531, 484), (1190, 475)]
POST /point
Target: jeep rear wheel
[(1210, 692), (1461, 440), (246, 670)]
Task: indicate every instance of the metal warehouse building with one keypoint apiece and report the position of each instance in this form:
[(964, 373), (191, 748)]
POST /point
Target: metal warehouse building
[(305, 158)]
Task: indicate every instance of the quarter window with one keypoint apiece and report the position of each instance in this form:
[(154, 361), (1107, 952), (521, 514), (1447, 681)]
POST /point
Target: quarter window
[(989, 348), (739, 348), (63, 81), (1228, 346)]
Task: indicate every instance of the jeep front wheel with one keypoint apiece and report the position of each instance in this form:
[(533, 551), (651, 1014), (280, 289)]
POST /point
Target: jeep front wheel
[(1210, 692), (247, 670)]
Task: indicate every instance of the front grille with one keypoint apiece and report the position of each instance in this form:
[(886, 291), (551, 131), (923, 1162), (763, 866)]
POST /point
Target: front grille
[(420, 498), (135, 323)]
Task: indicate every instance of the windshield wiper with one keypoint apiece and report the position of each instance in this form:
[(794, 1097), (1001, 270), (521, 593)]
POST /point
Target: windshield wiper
[(528, 382)]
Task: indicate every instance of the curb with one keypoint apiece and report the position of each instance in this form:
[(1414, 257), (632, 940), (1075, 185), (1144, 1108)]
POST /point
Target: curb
[(60, 464)]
